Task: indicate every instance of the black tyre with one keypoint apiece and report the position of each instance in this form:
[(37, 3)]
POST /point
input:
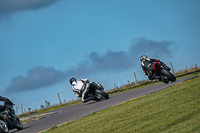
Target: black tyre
[(3, 126), (101, 94), (168, 74), (19, 124)]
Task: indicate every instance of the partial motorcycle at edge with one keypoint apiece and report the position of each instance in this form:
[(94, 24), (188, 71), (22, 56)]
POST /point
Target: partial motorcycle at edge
[(10, 121)]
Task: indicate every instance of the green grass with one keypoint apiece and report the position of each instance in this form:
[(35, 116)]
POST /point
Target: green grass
[(175, 109)]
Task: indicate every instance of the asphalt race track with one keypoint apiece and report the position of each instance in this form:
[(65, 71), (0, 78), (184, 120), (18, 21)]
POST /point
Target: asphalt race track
[(73, 112)]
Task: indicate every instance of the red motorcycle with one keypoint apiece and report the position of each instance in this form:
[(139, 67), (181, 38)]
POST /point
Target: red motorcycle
[(162, 74)]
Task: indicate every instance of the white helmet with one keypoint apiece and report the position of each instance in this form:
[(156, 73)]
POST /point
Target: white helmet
[(143, 57)]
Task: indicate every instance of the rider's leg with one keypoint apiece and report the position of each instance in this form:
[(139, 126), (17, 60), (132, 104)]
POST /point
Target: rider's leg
[(150, 71), (7, 111), (84, 95), (152, 75), (85, 98)]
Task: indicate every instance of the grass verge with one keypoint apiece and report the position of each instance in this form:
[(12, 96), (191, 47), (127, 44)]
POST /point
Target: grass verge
[(175, 109)]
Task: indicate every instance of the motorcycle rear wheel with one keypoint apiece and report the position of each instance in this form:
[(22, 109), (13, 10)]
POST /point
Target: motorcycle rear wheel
[(19, 124), (168, 74)]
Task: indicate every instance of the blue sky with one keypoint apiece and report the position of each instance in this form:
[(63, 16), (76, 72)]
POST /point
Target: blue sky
[(44, 43)]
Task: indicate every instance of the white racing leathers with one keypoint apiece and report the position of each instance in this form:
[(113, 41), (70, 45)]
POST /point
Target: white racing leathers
[(80, 88)]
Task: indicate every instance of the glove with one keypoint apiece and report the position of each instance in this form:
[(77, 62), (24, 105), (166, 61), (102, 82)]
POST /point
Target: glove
[(87, 81), (157, 60), (145, 73)]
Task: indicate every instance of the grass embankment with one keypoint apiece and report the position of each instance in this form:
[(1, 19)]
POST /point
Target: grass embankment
[(175, 109), (180, 74)]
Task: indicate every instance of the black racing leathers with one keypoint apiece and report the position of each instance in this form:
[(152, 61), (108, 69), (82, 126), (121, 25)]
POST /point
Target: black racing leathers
[(5, 107), (147, 66), (5, 100)]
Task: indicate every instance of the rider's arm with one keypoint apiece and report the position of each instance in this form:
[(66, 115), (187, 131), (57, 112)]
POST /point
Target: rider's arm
[(5, 99), (85, 80), (153, 60), (2, 98)]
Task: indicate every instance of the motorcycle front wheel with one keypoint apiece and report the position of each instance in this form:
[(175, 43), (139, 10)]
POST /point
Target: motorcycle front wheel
[(19, 124), (101, 94), (168, 74)]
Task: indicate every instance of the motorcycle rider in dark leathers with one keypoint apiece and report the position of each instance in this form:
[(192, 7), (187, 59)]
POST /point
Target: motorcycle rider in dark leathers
[(7, 109), (147, 65)]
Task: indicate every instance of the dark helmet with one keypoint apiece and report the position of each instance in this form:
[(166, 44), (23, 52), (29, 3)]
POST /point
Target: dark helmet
[(143, 57), (72, 80)]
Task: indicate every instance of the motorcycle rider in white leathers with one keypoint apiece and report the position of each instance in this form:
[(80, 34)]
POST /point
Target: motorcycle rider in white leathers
[(80, 88)]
